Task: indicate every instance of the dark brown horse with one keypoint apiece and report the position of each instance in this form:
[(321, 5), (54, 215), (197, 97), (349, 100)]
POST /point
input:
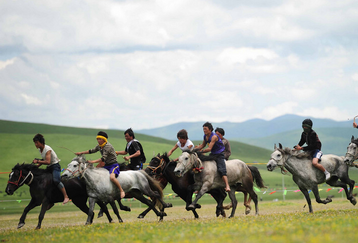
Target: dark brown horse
[(43, 191)]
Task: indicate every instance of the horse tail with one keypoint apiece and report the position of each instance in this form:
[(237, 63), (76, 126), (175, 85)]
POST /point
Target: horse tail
[(155, 186), (257, 176)]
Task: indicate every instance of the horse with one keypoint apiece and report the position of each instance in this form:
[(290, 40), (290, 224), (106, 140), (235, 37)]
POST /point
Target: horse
[(308, 177), (100, 188), (208, 178), (162, 169), (43, 191), (352, 152)]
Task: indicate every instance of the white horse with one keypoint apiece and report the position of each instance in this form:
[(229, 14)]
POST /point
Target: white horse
[(207, 178), (352, 152), (100, 188), (308, 177)]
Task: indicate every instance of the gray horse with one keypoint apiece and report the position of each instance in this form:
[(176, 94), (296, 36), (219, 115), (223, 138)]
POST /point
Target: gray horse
[(100, 188), (207, 177), (352, 152), (307, 177)]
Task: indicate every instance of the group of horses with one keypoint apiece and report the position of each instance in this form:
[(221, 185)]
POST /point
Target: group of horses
[(194, 172)]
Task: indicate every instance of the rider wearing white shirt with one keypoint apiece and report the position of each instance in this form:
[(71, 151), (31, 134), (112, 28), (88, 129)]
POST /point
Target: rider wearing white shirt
[(183, 143)]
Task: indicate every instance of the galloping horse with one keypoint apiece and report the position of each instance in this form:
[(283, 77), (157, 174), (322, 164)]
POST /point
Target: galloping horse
[(100, 188), (352, 152), (208, 178), (162, 169), (308, 177), (43, 191)]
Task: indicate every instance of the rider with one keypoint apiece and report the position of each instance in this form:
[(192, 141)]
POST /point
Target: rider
[(50, 159), (183, 142), (216, 147), (135, 150), (108, 160), (220, 132), (310, 137), (355, 125)]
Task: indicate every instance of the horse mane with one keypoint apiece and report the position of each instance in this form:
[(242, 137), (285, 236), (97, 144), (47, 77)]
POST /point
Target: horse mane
[(297, 154), (201, 155), (30, 167)]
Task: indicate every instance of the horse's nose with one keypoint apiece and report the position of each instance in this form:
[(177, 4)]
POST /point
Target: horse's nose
[(177, 173), (269, 167)]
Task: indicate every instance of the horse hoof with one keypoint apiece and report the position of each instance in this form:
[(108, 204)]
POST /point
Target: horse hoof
[(99, 215), (20, 225), (38, 227), (140, 216), (169, 205), (353, 201), (125, 208), (247, 212), (191, 207), (197, 206)]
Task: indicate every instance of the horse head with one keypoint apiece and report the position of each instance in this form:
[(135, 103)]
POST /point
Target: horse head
[(157, 164), (185, 163), (352, 152), (20, 174), (76, 168), (277, 158)]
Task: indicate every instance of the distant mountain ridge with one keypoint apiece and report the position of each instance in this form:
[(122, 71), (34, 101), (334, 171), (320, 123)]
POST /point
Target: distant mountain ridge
[(286, 129), (254, 128)]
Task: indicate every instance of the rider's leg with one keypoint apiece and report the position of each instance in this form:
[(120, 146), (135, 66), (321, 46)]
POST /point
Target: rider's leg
[(220, 162), (56, 175), (320, 167), (116, 182)]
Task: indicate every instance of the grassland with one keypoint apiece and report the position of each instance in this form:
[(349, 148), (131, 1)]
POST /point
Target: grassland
[(277, 222)]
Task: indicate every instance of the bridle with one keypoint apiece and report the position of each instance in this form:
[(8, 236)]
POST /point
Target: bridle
[(196, 168), (18, 183), (282, 166), (354, 156), (161, 166), (81, 172)]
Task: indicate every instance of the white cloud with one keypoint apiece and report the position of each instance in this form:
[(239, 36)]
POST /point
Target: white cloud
[(149, 63)]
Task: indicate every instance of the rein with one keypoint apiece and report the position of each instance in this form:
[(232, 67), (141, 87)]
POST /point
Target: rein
[(354, 156), (160, 166), (16, 183), (196, 168)]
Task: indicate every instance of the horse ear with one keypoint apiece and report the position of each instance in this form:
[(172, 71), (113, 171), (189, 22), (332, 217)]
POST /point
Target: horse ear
[(352, 139), (275, 147), (280, 145)]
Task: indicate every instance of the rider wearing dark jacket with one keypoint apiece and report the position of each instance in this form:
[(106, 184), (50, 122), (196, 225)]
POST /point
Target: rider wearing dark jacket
[(310, 137)]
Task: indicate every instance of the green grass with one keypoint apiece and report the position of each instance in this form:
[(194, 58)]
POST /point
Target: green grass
[(277, 222)]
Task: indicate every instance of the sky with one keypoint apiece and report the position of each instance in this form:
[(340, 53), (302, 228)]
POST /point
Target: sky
[(147, 64)]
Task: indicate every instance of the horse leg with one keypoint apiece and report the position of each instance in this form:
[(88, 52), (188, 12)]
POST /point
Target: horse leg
[(144, 213), (33, 203), (115, 210), (343, 183), (234, 202), (318, 198), (219, 195), (91, 203), (122, 207), (103, 209), (202, 191), (45, 205), (307, 196), (139, 196)]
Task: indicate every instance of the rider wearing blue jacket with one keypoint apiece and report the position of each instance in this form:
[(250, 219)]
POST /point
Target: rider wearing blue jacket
[(216, 147)]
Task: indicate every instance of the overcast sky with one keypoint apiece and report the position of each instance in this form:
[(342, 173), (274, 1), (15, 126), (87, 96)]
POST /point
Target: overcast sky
[(146, 64)]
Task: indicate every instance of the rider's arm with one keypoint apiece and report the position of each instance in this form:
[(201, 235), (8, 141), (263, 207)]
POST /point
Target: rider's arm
[(214, 139)]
